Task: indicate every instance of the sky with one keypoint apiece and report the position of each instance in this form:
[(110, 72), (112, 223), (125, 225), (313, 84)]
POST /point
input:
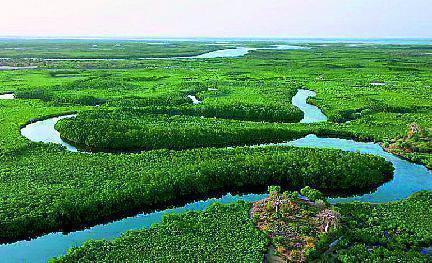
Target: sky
[(217, 18)]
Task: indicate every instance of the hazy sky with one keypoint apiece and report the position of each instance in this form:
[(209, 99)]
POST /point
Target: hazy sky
[(217, 18)]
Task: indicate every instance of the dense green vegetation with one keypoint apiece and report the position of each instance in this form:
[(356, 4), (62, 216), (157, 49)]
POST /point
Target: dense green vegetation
[(394, 232), (126, 129), (136, 129), (66, 190), (379, 89), (415, 146), (98, 49), (16, 113), (222, 233)]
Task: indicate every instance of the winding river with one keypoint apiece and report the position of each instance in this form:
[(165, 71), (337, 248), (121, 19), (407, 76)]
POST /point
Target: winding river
[(408, 178), (311, 112), (194, 99), (43, 131)]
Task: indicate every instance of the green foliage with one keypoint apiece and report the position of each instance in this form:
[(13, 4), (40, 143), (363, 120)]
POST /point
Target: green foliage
[(391, 231), (312, 194), (415, 146), (98, 49), (388, 232), (48, 96), (126, 129), (246, 111), (61, 190), (274, 190), (134, 130), (222, 233)]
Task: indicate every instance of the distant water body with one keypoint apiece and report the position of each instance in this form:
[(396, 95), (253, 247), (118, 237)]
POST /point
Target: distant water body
[(383, 41), (390, 41)]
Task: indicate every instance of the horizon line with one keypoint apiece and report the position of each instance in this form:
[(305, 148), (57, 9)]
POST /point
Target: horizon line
[(138, 37)]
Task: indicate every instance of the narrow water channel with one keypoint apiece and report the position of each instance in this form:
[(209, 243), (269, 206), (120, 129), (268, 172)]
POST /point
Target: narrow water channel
[(17, 68), (194, 99), (311, 113), (234, 52), (44, 131), (7, 96)]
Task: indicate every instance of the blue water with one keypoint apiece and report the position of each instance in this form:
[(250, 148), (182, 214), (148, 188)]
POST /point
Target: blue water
[(408, 177), (223, 53), (43, 131), (311, 113), (233, 52), (241, 51), (282, 44), (226, 53), (427, 251)]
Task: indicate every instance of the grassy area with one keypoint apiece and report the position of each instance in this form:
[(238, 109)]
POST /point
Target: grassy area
[(99, 49)]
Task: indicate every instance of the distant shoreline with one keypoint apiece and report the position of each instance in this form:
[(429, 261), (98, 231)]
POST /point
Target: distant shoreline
[(405, 41)]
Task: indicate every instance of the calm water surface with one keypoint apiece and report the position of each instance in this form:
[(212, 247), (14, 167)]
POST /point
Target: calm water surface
[(234, 52), (311, 113), (408, 177), (194, 99), (43, 131), (17, 68)]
